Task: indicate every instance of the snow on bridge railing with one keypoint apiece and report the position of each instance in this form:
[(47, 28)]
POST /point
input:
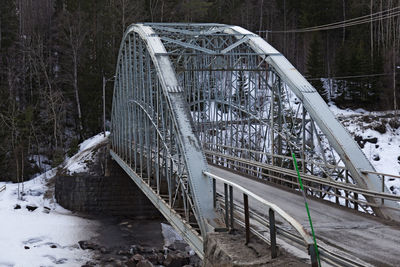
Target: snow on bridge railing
[(308, 241)]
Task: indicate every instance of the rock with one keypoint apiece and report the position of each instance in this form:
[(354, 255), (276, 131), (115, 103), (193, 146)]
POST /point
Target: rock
[(379, 127), (366, 119), (31, 207), (118, 263), (130, 263), (144, 263), (124, 258), (376, 157), (394, 123), (46, 210), (154, 258), (17, 207), (134, 249), (53, 246), (137, 257), (103, 250), (372, 140), (359, 140), (61, 261), (89, 264), (87, 245), (147, 250), (181, 246), (26, 247), (123, 253), (175, 260), (160, 258)]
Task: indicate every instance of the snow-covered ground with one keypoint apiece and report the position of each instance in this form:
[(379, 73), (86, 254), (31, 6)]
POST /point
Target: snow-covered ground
[(385, 153), (49, 234)]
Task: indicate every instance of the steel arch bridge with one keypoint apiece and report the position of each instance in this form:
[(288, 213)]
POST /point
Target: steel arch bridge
[(189, 95)]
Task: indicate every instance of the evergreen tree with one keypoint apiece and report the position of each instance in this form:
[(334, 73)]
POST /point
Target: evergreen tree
[(315, 67), (341, 70)]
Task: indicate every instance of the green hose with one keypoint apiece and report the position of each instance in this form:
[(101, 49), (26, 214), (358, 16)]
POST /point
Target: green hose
[(308, 211)]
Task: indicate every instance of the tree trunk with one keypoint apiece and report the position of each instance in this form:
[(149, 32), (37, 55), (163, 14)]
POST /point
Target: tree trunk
[(76, 89)]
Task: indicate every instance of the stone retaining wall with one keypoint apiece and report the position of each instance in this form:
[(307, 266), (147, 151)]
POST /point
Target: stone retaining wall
[(115, 195)]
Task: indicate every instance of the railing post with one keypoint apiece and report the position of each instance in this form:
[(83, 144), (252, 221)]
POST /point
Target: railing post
[(355, 201), (347, 192), (272, 233), (226, 206), (231, 208), (246, 217), (214, 193), (337, 198), (313, 256), (383, 188)]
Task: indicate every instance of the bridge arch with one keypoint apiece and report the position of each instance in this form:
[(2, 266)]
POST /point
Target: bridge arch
[(184, 90)]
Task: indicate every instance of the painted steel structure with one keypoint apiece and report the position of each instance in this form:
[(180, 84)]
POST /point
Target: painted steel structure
[(184, 90)]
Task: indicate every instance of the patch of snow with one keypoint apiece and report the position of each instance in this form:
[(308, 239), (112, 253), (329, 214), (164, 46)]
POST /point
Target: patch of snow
[(169, 234), (383, 155), (93, 141), (78, 162), (48, 235)]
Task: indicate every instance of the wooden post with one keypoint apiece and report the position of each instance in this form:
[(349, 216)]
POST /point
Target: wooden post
[(246, 217), (272, 233)]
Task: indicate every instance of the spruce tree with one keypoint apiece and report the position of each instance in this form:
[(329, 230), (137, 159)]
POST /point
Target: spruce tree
[(315, 67)]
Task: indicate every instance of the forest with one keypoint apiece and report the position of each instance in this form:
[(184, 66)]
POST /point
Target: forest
[(54, 55)]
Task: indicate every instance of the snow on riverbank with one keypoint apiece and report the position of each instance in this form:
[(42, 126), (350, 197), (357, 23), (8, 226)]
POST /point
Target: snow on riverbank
[(49, 234), (379, 136)]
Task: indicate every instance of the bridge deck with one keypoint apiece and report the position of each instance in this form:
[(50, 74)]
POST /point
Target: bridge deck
[(364, 237)]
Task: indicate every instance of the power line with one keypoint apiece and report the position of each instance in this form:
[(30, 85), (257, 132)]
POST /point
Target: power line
[(352, 76), (381, 15), (377, 15)]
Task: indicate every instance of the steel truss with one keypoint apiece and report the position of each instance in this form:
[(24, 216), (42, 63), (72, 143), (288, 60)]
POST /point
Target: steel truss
[(183, 90)]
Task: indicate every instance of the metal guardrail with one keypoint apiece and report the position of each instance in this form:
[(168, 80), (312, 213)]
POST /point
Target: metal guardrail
[(383, 176), (301, 238), (346, 187), (270, 155), (229, 215), (325, 254)]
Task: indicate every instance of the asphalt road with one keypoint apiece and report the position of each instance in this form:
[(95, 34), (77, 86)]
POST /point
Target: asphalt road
[(364, 237)]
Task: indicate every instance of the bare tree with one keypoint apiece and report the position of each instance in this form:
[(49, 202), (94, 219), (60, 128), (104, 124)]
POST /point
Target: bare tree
[(74, 32)]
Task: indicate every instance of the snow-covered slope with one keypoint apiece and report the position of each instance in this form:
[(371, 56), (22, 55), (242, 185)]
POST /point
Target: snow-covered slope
[(49, 234), (378, 134)]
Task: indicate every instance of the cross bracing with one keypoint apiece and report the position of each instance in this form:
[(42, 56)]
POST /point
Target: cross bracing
[(188, 93)]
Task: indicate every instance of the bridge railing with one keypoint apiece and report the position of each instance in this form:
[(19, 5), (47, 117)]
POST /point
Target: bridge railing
[(343, 192), (383, 176), (229, 208)]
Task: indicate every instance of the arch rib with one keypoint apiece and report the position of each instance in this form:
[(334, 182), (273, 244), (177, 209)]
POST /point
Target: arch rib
[(200, 185), (338, 136)]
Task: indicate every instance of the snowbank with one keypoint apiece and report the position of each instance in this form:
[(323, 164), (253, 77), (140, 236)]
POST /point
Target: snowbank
[(384, 154), (49, 234), (78, 162)]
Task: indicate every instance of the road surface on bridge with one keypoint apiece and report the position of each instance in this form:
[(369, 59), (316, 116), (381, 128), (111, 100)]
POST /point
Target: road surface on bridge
[(341, 229)]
